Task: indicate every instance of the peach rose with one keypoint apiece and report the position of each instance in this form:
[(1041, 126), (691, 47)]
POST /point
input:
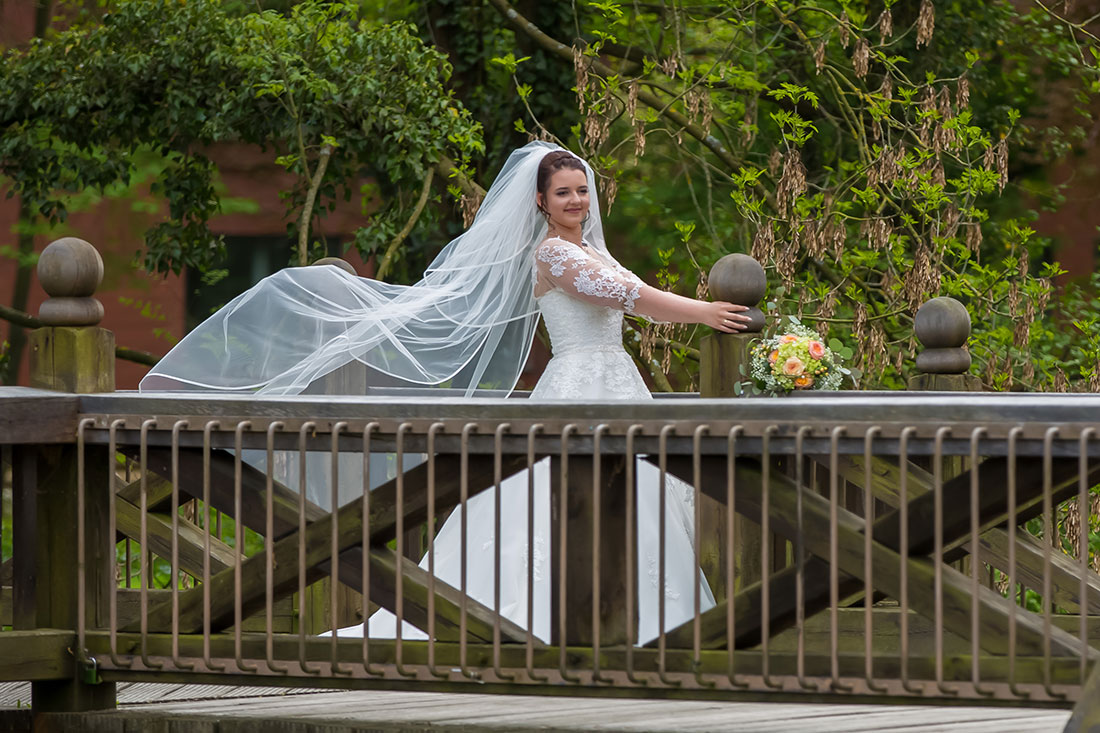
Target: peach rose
[(787, 338), (793, 367), (773, 357), (817, 349), (803, 382)]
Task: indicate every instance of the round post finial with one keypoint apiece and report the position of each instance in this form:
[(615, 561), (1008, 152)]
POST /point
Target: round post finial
[(739, 279), (70, 270), (943, 326), (338, 262)]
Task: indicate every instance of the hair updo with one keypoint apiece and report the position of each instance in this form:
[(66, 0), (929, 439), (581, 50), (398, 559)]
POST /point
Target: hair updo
[(552, 163)]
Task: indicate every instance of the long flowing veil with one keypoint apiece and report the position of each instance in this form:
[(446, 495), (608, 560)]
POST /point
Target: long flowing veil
[(468, 324)]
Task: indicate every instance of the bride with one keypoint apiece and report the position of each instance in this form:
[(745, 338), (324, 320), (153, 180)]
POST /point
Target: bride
[(535, 247)]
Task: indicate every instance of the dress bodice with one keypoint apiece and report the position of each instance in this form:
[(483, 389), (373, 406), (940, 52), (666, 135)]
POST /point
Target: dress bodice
[(578, 326), (585, 331)]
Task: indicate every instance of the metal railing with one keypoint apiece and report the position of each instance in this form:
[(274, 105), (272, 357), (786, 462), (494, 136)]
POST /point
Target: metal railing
[(948, 596)]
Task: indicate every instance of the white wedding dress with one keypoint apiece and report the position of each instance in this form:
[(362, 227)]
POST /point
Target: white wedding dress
[(582, 304)]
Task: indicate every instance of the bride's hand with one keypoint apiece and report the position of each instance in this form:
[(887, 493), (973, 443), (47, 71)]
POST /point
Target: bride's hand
[(725, 317)]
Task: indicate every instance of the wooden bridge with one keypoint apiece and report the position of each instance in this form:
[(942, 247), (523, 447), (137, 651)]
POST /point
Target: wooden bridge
[(862, 547)]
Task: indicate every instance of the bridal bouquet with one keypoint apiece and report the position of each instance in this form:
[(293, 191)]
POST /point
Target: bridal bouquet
[(798, 359)]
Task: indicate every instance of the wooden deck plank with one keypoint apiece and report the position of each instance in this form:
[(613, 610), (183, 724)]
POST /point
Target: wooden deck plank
[(382, 710)]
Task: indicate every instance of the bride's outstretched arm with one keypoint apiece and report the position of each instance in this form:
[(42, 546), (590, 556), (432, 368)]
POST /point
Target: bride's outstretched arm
[(660, 305), (587, 276)]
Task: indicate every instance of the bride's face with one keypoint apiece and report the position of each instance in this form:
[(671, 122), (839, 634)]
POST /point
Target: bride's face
[(566, 198)]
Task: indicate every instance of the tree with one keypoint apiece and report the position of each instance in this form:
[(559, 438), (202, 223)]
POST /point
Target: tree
[(336, 98), (862, 150), (24, 250)]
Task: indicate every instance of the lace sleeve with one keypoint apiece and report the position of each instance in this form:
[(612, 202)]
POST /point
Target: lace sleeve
[(585, 276)]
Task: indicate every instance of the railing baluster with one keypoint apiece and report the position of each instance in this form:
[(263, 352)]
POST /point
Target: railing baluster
[(175, 582), (269, 548), (206, 440)]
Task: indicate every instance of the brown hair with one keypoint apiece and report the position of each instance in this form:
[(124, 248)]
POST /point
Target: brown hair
[(552, 163)]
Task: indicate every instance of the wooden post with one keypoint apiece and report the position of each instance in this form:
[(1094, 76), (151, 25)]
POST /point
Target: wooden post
[(578, 551), (72, 354), (943, 325), (724, 362), (315, 611), (1086, 713)]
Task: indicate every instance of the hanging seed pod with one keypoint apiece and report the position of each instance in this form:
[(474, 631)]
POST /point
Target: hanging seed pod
[(610, 188), (926, 23), (1061, 384), (792, 183), (861, 58), (859, 328), (962, 93), (974, 237), (886, 24), (748, 123), (648, 339), (1021, 333), (774, 161), (951, 218), (836, 237), (702, 287), (785, 263), (828, 306), (1001, 158), (1013, 298), (763, 243), (639, 139), (1044, 294), (469, 206), (819, 56), (880, 234), (692, 102), (917, 280), (887, 88), (580, 66), (707, 107), (1072, 527)]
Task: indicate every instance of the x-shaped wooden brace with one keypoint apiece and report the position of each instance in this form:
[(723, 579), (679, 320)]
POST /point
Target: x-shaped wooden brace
[(1065, 574), (993, 609), (384, 563)]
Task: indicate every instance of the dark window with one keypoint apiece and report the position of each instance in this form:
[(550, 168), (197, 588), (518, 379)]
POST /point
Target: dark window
[(248, 259)]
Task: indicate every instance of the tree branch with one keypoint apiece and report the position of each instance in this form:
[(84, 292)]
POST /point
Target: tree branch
[(391, 249), (307, 207), (449, 169), (26, 320), (648, 98), (660, 380)]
